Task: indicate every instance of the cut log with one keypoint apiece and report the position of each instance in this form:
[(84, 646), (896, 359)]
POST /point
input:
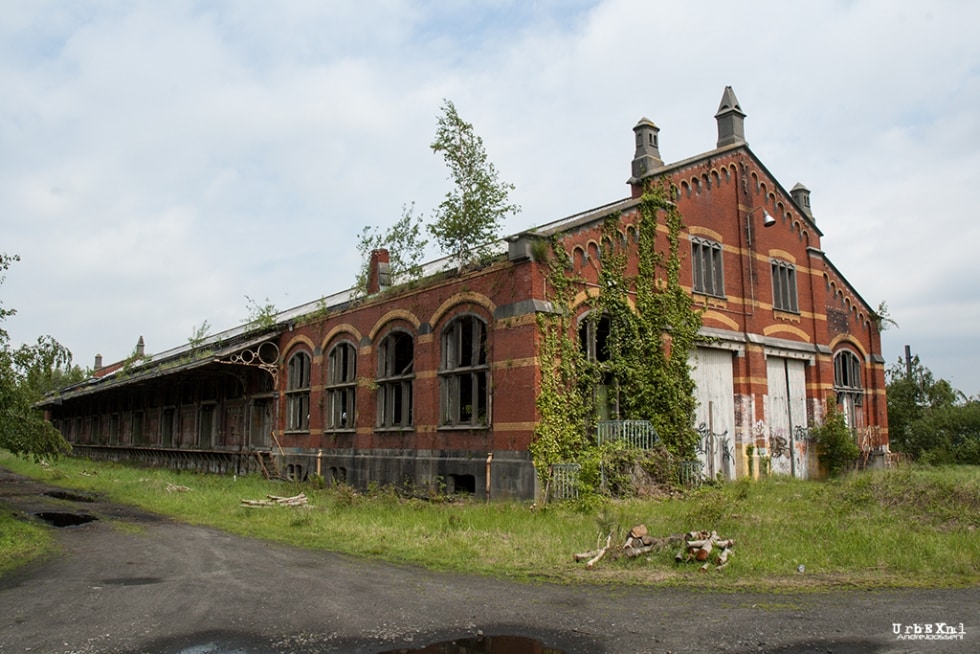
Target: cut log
[(600, 554), (633, 552), (275, 500), (703, 552), (584, 556), (635, 547), (722, 559)]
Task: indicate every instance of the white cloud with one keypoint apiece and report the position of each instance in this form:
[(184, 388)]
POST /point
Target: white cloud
[(164, 160)]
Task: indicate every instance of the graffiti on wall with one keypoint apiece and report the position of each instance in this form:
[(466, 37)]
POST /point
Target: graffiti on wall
[(711, 444), (780, 446)]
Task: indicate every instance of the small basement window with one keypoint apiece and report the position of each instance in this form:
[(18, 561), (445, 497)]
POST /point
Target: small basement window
[(461, 485)]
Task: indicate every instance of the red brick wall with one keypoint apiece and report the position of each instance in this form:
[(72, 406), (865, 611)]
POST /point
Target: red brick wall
[(424, 313)]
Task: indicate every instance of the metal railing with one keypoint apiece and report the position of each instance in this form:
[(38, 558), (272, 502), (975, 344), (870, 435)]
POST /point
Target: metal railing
[(690, 473), (638, 434), (564, 481), (212, 461)]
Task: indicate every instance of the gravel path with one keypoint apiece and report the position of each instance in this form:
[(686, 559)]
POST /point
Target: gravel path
[(133, 582)]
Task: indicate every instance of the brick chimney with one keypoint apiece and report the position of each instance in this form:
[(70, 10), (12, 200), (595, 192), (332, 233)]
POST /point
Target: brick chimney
[(98, 362), (140, 348), (379, 271)]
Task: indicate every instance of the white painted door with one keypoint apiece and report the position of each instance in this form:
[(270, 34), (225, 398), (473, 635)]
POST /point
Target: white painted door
[(715, 414), (787, 415)]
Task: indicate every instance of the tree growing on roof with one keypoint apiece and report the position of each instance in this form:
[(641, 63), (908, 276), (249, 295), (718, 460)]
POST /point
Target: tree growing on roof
[(405, 246), (468, 219)]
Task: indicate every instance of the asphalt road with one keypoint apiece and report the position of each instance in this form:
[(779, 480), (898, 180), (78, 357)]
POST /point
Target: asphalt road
[(132, 582)]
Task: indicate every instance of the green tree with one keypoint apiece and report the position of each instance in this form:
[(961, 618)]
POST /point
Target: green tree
[(26, 374), (405, 246), (929, 419), (468, 219)]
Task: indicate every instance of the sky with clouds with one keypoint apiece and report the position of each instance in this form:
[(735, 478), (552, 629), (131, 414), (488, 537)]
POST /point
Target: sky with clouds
[(163, 164)]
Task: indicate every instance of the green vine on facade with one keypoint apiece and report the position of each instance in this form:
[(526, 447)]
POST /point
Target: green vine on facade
[(668, 325), (650, 327), (559, 435)]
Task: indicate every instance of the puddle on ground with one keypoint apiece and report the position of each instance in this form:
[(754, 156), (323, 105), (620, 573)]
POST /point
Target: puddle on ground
[(71, 496), (483, 645), (210, 648), (64, 519)]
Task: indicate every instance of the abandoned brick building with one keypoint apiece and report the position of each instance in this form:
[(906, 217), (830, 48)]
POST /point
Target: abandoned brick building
[(435, 382)]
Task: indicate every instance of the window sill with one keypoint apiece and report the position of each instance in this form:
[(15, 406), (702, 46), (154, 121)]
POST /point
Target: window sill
[(463, 427), (711, 301), (788, 316)]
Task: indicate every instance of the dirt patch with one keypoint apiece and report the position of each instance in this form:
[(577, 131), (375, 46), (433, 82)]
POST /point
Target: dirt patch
[(72, 496)]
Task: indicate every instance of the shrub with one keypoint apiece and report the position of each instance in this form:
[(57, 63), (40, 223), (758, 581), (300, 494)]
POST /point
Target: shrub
[(836, 448)]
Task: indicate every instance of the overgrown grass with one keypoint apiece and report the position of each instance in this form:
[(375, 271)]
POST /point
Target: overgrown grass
[(21, 542), (911, 527)]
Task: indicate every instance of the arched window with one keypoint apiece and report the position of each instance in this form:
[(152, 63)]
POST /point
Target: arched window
[(298, 392), (847, 371), (784, 297), (463, 384), (341, 386), (593, 333), (396, 373), (706, 264), (847, 383)]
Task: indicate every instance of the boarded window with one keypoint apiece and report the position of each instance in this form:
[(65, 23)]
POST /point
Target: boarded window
[(137, 428), (205, 427), (167, 418)]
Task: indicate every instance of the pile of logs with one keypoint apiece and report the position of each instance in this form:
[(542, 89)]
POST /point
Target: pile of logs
[(705, 547), (640, 542), (275, 500)]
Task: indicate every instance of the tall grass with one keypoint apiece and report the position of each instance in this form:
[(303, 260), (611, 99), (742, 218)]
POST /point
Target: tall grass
[(912, 527), (21, 542)]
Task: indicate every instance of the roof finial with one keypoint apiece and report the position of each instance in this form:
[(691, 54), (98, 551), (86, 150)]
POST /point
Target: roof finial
[(647, 156), (731, 120)]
